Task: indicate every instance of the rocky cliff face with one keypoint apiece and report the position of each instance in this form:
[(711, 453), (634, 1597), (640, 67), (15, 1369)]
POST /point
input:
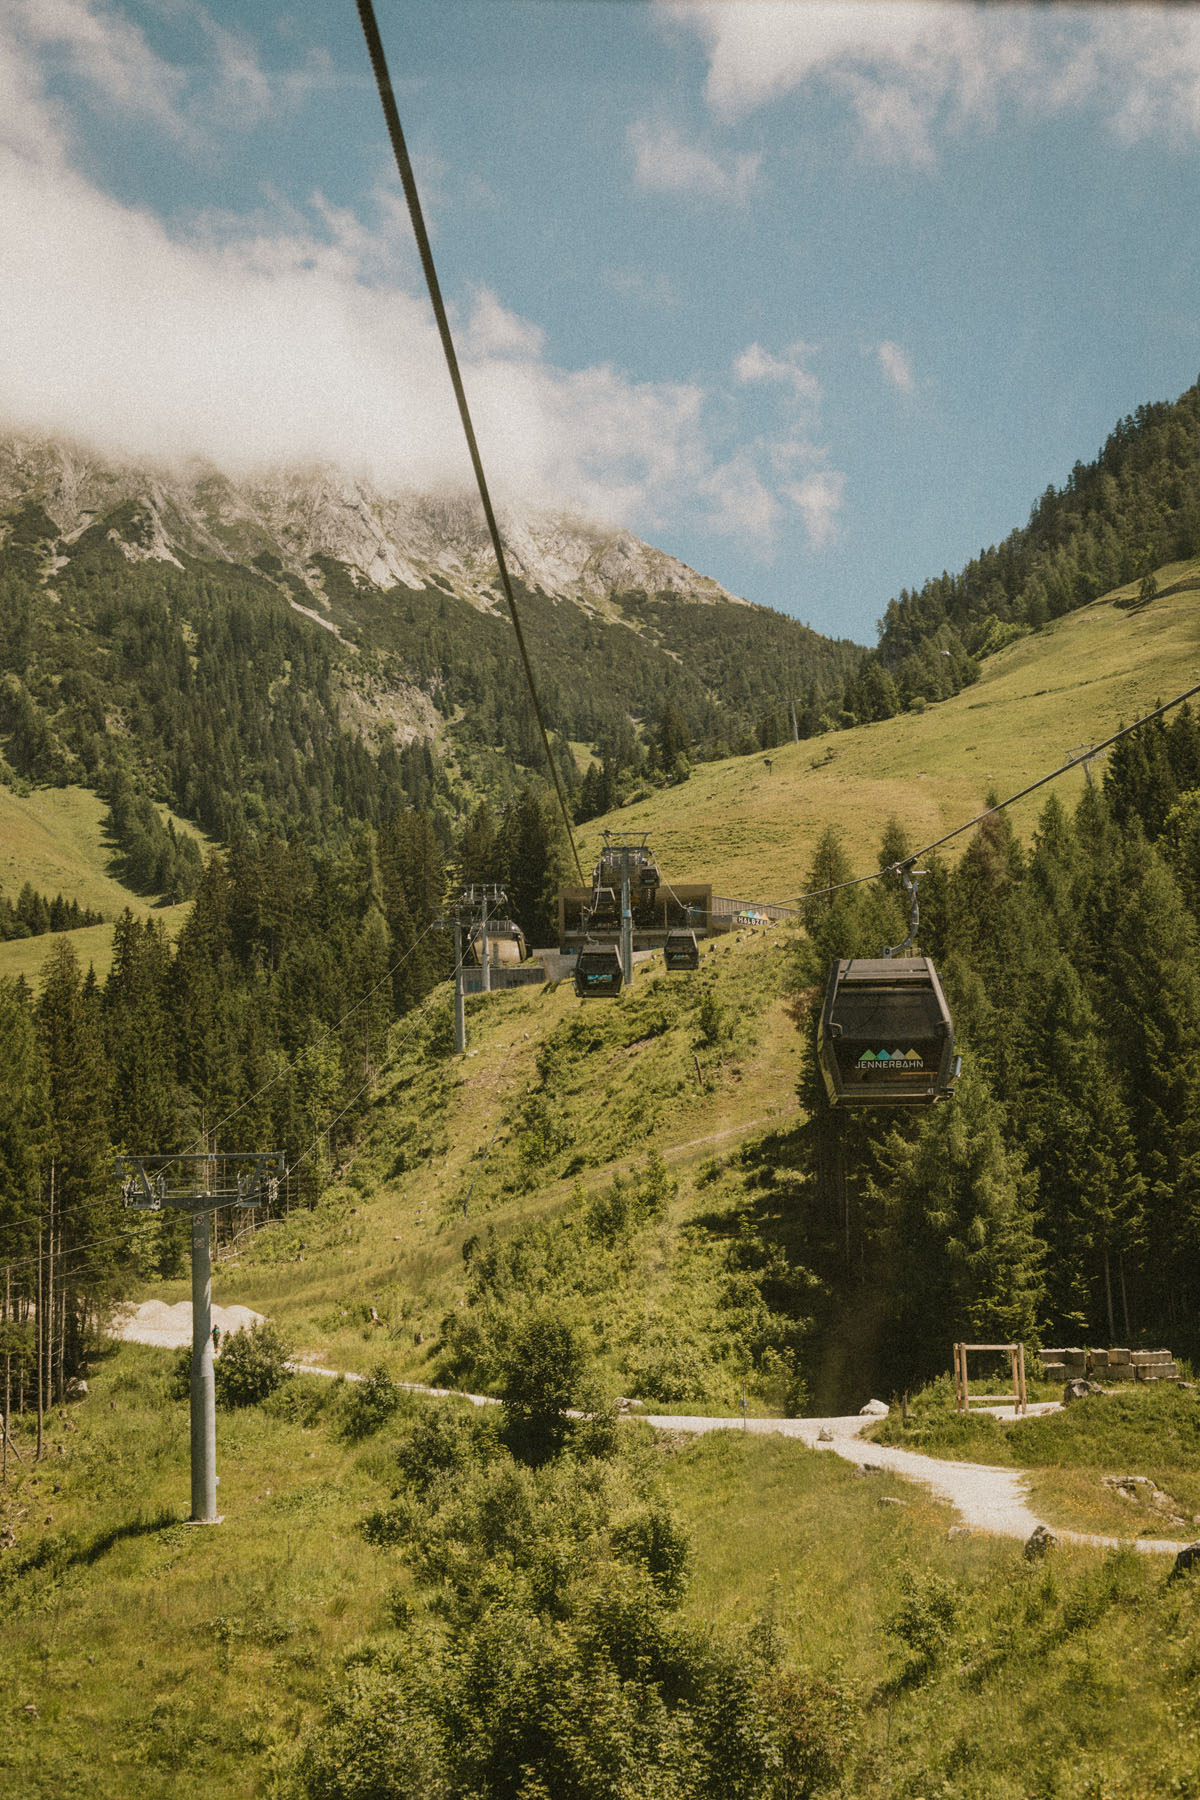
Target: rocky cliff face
[(298, 515)]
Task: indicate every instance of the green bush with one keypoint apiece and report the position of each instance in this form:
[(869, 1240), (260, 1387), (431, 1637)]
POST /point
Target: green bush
[(442, 1440), (252, 1364), (250, 1367), (815, 1721), (541, 1379), (370, 1403), (926, 1618), (379, 1738), (655, 1539)]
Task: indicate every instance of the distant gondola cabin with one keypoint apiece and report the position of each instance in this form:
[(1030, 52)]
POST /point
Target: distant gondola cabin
[(886, 1037), (599, 972), (681, 950)]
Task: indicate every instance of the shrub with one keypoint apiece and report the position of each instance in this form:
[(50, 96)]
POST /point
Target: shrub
[(378, 1739), (540, 1380), (815, 1725), (370, 1403), (926, 1617), (442, 1440), (655, 1539), (252, 1364)]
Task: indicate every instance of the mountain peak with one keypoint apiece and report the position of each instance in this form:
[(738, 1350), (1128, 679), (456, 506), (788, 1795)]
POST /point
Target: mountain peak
[(299, 514)]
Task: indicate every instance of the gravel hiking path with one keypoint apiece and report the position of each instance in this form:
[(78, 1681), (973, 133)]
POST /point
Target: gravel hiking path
[(987, 1499)]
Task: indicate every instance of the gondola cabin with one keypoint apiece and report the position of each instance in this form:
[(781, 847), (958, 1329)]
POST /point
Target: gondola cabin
[(605, 908), (681, 951), (599, 972), (886, 1037)]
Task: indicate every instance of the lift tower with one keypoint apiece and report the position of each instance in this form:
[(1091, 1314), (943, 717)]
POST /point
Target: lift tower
[(471, 913), (199, 1184)]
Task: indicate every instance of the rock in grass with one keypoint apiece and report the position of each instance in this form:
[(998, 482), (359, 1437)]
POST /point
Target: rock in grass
[(1187, 1559), (1038, 1542), (874, 1409), (1079, 1389)]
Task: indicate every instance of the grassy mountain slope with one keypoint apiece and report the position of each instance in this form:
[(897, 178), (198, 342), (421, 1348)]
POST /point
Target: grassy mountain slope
[(752, 832), (223, 1648), (55, 839), (144, 1654), (526, 1170), (1072, 684)]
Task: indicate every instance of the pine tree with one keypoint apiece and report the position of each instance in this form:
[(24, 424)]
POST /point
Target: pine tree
[(958, 1248), (1079, 1140), (535, 865), (831, 918), (137, 1037), (77, 1155), (1150, 1005)]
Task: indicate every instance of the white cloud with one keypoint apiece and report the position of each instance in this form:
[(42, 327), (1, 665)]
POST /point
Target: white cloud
[(754, 364), (303, 334), (817, 496), (907, 69), (97, 44), (223, 90), (665, 163), (896, 366), (494, 331), (291, 338), (818, 499), (742, 506), (648, 287)]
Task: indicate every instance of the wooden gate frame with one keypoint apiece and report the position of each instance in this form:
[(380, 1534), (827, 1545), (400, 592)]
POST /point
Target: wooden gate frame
[(962, 1389)]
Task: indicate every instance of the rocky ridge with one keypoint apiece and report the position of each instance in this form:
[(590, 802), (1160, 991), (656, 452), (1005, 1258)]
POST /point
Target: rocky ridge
[(383, 539)]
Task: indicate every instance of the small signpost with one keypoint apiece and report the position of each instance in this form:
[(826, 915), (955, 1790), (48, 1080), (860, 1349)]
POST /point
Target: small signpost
[(199, 1184)]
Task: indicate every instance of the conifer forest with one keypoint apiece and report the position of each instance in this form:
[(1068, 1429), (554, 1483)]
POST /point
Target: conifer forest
[(1056, 1198)]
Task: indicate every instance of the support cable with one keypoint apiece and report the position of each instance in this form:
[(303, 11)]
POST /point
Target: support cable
[(383, 81), (1073, 762)]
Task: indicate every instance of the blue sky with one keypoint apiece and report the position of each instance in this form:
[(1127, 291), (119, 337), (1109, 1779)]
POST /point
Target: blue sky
[(819, 297)]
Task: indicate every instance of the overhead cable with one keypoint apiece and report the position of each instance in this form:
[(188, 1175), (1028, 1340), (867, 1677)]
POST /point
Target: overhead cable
[(383, 82), (1074, 762)]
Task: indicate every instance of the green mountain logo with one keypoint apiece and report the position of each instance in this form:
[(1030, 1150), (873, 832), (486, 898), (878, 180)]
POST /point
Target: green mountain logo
[(891, 1059)]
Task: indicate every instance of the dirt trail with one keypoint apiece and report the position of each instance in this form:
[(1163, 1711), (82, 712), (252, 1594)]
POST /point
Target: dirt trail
[(986, 1498)]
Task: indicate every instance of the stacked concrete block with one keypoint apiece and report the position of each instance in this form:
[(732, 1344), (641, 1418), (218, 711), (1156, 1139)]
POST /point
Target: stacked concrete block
[(1116, 1364), (1154, 1365), (1064, 1365)]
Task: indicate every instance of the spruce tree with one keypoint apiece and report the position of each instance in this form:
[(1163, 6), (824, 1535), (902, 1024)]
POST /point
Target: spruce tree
[(1150, 1004), (959, 1252), (77, 1156)]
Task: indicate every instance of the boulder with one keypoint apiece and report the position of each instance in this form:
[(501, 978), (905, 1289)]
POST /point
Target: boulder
[(1079, 1389), (1187, 1560), (874, 1409), (1038, 1542)]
